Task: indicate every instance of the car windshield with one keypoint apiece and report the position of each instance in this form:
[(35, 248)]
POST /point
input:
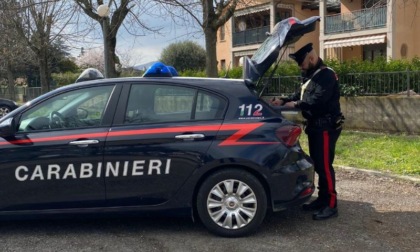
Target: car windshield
[(78, 108), (58, 103)]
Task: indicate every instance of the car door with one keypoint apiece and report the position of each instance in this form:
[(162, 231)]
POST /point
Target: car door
[(161, 136), (54, 159)]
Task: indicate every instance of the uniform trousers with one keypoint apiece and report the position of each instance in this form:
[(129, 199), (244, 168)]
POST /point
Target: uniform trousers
[(322, 141)]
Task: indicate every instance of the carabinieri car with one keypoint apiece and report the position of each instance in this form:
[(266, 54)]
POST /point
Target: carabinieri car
[(201, 146), (6, 106)]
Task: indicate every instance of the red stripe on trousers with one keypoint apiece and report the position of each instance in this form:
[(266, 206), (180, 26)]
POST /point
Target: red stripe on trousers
[(327, 169)]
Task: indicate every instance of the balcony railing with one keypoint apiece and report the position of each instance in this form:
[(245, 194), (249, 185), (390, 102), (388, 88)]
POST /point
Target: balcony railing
[(250, 36), (372, 18)]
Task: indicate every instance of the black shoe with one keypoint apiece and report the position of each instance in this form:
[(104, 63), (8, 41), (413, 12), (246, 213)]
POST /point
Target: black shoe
[(325, 213), (314, 205)]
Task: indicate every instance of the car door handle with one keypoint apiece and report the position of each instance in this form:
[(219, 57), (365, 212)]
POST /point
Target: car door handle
[(190, 136), (84, 143)]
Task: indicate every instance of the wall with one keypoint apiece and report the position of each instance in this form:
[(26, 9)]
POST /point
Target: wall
[(407, 23), (387, 114), (302, 14), (353, 53), (350, 5), (224, 47), (395, 114)]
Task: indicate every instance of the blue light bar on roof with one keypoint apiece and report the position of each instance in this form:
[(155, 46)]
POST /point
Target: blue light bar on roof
[(159, 69), (173, 70), (90, 74)]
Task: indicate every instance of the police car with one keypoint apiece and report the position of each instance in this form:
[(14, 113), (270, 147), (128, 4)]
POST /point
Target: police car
[(6, 106), (210, 148)]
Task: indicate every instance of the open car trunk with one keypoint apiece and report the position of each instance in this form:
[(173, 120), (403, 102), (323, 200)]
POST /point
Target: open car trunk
[(284, 33)]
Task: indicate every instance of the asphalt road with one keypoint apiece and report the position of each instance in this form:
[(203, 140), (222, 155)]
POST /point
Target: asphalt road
[(376, 213)]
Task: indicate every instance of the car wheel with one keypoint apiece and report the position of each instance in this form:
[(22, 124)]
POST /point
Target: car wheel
[(4, 110), (231, 203)]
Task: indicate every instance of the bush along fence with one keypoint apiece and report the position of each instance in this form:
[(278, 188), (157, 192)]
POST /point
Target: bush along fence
[(371, 101), (356, 84)]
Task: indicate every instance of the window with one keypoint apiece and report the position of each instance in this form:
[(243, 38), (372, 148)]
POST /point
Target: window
[(223, 64), (161, 103), (74, 109), (372, 52), (283, 13), (222, 33), (374, 3), (209, 107)]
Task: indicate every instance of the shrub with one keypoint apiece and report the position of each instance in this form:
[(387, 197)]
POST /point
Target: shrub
[(63, 79), (184, 56)]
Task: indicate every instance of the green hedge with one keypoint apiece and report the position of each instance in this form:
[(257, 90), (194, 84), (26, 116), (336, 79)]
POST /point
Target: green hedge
[(290, 68), (357, 77), (62, 79)]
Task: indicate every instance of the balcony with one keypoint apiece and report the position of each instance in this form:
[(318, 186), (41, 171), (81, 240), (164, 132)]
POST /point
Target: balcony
[(372, 18), (250, 36)]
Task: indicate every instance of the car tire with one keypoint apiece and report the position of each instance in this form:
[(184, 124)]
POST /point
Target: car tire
[(4, 110), (231, 203)]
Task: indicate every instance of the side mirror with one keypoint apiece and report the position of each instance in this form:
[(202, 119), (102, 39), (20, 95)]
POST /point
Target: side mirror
[(8, 127)]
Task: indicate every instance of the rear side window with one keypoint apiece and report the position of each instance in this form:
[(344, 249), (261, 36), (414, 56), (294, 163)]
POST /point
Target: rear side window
[(209, 106), (165, 103)]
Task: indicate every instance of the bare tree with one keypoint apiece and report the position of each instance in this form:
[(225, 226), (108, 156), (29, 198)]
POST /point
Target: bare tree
[(123, 13), (214, 14), (39, 23), (14, 53)]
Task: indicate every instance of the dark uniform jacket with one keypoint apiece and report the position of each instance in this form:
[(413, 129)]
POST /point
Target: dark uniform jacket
[(321, 97)]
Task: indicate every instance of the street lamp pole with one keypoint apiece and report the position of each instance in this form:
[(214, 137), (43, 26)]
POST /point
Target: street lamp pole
[(103, 11)]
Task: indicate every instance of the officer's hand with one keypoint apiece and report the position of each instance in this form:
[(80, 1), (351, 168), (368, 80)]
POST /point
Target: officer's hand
[(276, 102), (290, 104)]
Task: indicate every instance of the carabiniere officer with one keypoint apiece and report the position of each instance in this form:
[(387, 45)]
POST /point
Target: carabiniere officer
[(319, 101)]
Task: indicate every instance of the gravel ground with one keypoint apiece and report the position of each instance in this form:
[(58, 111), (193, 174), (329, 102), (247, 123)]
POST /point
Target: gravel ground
[(376, 213)]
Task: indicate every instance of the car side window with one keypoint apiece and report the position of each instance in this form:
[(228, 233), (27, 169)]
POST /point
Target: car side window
[(159, 103), (79, 108), (209, 106), (164, 103)]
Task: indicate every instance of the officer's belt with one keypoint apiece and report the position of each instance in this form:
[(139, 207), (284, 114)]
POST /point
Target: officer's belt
[(320, 122)]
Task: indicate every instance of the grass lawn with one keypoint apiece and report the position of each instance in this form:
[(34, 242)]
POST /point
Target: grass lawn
[(397, 154)]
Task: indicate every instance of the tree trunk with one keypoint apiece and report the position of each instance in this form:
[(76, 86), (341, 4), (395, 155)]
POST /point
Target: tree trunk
[(110, 42), (211, 59), (11, 81), (112, 59), (43, 73)]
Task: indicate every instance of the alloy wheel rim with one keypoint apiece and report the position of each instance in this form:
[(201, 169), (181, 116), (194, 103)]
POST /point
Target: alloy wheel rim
[(4, 111), (232, 204)]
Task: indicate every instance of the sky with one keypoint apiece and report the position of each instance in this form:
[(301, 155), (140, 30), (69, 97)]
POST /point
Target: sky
[(144, 49), (149, 48)]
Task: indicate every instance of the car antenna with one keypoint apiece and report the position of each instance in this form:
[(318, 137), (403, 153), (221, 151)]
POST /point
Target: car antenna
[(227, 71), (271, 74)]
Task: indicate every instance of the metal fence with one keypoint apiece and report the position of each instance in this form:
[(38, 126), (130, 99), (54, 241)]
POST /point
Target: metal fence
[(352, 84), (366, 84), (22, 94)]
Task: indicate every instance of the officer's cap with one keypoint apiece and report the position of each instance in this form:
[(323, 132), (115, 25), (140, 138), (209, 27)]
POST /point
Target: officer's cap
[(300, 55)]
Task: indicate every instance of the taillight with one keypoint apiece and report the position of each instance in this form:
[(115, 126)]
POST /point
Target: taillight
[(289, 135), (292, 21)]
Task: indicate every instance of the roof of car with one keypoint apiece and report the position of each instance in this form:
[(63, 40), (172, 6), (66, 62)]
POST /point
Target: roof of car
[(209, 83)]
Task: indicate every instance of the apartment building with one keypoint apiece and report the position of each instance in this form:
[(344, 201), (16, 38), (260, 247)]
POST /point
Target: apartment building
[(349, 29)]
